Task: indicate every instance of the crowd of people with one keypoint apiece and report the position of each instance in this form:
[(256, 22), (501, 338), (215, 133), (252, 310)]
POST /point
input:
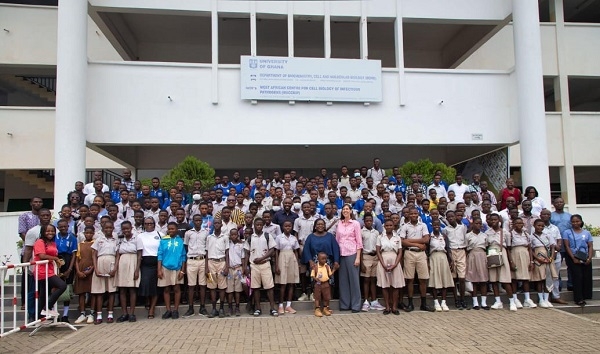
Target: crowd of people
[(345, 233)]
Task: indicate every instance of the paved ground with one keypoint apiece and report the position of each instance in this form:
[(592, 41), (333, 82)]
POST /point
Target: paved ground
[(417, 332)]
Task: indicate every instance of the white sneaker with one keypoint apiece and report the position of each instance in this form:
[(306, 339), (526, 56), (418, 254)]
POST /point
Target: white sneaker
[(80, 319), (513, 307), (529, 303), (518, 304), (543, 304), (375, 305), (311, 297), (497, 306), (303, 297), (549, 304), (437, 306), (90, 319), (49, 313), (365, 307), (445, 307)]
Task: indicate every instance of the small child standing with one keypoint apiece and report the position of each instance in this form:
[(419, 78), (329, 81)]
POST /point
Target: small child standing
[(171, 269), (234, 279), (287, 268), (84, 267), (322, 292)]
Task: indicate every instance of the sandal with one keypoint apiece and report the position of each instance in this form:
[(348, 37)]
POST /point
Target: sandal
[(274, 313), (150, 316), (256, 313), (386, 312), (396, 312)]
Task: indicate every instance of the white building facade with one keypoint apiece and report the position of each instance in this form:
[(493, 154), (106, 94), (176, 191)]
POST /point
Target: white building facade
[(144, 83)]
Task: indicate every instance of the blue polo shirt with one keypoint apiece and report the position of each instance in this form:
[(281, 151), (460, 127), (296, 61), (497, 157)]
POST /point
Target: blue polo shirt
[(160, 194), (66, 243), (115, 196), (171, 252)]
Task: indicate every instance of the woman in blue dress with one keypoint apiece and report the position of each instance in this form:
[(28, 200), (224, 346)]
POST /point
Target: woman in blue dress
[(321, 241), (579, 247)]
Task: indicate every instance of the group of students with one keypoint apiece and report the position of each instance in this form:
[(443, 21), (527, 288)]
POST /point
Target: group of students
[(239, 237)]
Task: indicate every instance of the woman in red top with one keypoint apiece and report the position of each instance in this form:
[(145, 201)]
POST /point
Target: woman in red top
[(45, 249), (509, 191)]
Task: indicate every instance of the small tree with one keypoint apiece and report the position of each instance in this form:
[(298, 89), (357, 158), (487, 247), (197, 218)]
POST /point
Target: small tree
[(427, 169), (189, 170)]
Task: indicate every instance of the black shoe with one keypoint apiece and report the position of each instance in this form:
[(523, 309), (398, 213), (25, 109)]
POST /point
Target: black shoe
[(221, 313), (203, 311), (457, 304), (464, 305), (132, 318), (166, 315), (409, 308), (64, 319), (123, 318), (425, 307), (175, 315), (214, 314), (355, 311), (487, 308), (189, 312), (401, 306), (476, 307)]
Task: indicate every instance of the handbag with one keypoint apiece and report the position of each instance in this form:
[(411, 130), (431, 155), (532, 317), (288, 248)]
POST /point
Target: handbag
[(494, 254), (582, 256)]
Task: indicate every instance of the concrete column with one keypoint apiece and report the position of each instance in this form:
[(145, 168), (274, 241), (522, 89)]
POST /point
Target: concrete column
[(530, 97), (71, 97)]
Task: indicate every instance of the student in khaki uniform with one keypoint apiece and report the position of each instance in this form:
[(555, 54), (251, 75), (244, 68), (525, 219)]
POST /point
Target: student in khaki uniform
[(195, 244), (520, 250), (415, 238), (456, 234), (496, 237), (260, 248), (287, 269), (235, 286), (542, 246), (440, 259), (389, 268), (104, 251), (368, 265), (477, 272), (217, 271)]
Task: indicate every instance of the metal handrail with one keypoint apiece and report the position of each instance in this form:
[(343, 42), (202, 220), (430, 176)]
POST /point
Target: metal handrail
[(47, 82)]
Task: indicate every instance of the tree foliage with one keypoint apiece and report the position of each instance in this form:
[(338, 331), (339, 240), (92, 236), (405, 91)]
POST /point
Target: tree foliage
[(427, 169), (188, 170)]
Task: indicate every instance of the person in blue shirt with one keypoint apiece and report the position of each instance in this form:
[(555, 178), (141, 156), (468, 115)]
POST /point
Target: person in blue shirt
[(171, 268), (561, 219), (425, 215), (579, 246), (66, 244), (237, 183), (115, 192), (224, 186), (157, 192)]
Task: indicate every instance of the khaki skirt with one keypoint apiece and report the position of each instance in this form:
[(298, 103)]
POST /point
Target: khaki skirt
[(539, 271), (127, 265), (477, 271), (520, 256), (440, 275), (289, 272), (501, 274), (395, 278), (101, 285)]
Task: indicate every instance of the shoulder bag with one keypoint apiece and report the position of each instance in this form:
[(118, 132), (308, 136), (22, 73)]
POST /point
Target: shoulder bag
[(494, 254)]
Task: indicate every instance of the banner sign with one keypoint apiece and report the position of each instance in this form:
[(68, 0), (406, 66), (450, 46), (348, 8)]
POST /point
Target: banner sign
[(310, 79)]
